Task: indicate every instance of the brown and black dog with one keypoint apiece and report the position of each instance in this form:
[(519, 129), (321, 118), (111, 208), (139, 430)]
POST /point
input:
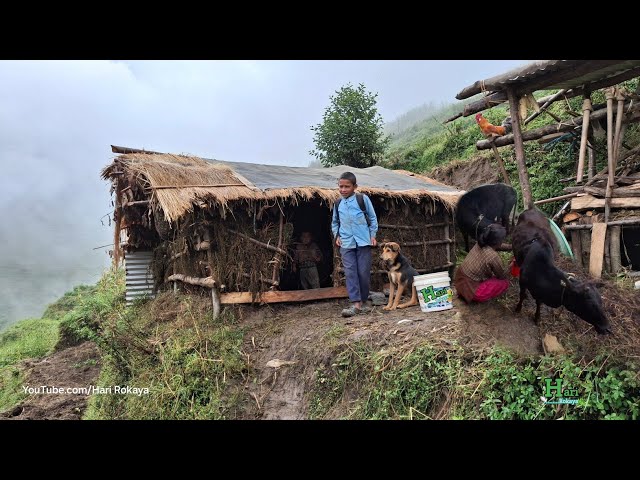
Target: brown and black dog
[(401, 275)]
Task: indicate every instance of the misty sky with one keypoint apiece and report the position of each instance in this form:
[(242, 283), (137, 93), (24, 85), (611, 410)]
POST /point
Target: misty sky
[(59, 118)]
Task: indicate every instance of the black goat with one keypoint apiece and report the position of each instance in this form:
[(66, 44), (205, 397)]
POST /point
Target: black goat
[(533, 247), (484, 213)]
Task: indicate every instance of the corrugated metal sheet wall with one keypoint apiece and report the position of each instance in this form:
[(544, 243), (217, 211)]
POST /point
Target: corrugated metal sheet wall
[(139, 275)]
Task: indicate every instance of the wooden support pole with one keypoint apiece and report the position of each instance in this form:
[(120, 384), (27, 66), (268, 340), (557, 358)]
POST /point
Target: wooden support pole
[(591, 170), (617, 139), (586, 111), (278, 259), (614, 242), (610, 163), (505, 176), (519, 147), (576, 246), (447, 239)]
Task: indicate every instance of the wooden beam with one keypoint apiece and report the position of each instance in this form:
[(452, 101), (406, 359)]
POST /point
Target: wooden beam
[(508, 81), (208, 282), (137, 203), (545, 105), (555, 199), (117, 149), (588, 202), (496, 98), (523, 174), (413, 227), (428, 242), (286, 296), (627, 221), (258, 242), (162, 187)]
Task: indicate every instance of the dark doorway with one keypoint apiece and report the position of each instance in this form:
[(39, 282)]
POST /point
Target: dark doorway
[(312, 216), (630, 247)]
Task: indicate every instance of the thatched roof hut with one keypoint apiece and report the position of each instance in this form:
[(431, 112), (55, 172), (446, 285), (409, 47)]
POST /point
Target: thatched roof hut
[(234, 223)]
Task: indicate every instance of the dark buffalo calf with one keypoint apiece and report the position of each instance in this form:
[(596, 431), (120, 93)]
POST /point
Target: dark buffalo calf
[(484, 213), (533, 248)]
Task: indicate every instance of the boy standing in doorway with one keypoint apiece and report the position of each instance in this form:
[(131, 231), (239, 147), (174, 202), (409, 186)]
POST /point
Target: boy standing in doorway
[(354, 228)]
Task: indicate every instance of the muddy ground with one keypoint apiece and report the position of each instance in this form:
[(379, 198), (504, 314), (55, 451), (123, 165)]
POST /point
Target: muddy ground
[(309, 334), (73, 367)]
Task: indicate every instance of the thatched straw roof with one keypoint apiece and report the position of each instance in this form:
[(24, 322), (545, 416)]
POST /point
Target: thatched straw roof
[(176, 183)]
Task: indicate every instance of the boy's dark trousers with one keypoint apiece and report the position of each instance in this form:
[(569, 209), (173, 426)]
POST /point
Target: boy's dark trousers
[(357, 269)]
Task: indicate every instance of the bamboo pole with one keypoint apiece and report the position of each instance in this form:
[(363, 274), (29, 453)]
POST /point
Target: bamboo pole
[(586, 111), (519, 147), (610, 163)]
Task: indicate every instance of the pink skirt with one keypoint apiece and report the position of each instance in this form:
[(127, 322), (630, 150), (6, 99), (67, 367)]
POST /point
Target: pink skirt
[(490, 289)]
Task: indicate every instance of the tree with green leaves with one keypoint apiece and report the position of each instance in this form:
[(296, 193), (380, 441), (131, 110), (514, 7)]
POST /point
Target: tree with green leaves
[(351, 132)]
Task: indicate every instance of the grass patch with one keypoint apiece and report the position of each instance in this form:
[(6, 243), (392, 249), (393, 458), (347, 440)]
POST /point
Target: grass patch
[(193, 366), (32, 338)]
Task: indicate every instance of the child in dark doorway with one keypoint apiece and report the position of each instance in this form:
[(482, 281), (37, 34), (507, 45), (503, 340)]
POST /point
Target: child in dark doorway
[(482, 276), (355, 231), (305, 259)]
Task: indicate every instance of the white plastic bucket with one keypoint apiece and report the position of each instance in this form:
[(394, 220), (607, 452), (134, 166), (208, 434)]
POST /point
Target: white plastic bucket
[(434, 291)]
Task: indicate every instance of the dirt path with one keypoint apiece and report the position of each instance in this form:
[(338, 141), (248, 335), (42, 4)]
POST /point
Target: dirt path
[(306, 336), (73, 367)]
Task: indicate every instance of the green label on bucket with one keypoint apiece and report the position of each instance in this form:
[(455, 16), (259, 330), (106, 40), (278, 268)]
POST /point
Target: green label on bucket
[(429, 294)]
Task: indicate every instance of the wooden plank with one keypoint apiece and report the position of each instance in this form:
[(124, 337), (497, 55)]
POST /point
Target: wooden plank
[(598, 235), (555, 199), (587, 202), (287, 296)]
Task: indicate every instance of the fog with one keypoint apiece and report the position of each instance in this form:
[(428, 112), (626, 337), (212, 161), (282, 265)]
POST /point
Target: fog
[(59, 118)]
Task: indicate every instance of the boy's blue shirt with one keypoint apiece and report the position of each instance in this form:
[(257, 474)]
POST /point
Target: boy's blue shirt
[(353, 224)]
